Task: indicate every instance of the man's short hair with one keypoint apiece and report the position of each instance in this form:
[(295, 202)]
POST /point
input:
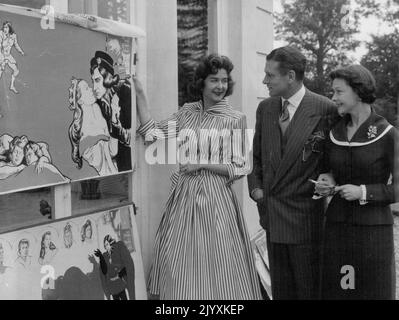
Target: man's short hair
[(289, 58)]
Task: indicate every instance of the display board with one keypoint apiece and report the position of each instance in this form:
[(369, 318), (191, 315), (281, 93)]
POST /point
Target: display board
[(65, 99), (62, 260)]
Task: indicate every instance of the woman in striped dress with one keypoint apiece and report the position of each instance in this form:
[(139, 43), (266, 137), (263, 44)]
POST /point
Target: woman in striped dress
[(202, 248)]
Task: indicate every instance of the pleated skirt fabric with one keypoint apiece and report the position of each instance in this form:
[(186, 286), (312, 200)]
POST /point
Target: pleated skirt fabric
[(202, 247)]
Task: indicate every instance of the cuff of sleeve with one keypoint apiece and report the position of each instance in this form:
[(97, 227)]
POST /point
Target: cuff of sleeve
[(363, 200), (231, 170), (145, 128)]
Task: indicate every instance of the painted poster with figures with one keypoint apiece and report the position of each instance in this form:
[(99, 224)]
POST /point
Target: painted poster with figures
[(91, 257), (65, 98)]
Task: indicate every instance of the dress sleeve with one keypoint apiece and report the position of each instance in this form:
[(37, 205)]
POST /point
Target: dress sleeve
[(239, 165), (386, 193), (168, 128)]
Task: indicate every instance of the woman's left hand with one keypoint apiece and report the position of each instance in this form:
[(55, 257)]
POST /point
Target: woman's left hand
[(189, 168), (349, 192)]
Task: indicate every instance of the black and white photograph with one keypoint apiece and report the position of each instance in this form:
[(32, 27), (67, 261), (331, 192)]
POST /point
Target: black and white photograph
[(199, 151)]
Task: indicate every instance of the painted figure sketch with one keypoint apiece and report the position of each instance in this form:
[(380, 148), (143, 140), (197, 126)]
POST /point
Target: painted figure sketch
[(73, 104), (21, 158), (88, 133), (120, 51), (81, 258), (8, 40), (48, 250), (116, 270), (24, 256), (114, 98)]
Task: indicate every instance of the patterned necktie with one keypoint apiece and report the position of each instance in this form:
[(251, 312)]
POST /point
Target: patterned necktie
[(284, 119)]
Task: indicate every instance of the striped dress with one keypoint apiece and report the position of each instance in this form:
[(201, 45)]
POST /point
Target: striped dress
[(202, 247)]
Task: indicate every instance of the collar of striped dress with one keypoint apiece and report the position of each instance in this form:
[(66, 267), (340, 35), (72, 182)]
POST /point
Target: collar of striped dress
[(221, 107)]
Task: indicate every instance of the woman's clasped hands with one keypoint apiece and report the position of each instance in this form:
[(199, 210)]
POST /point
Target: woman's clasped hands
[(325, 186)]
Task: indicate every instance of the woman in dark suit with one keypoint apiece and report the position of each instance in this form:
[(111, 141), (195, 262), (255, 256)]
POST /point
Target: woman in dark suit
[(358, 258)]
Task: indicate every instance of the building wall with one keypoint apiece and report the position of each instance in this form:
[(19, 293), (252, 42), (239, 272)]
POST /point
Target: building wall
[(157, 68), (243, 30)]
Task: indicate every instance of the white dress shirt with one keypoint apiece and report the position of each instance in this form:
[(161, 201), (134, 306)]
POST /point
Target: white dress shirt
[(294, 101)]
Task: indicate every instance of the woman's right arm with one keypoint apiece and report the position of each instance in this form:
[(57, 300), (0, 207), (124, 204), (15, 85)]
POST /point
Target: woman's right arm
[(153, 130)]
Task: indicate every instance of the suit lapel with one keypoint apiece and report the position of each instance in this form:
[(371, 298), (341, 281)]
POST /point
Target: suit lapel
[(272, 132), (301, 126)]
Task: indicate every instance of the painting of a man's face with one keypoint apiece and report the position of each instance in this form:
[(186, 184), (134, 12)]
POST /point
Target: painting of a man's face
[(98, 84)]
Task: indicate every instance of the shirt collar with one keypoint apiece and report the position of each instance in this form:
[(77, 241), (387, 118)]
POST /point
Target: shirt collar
[(296, 99)]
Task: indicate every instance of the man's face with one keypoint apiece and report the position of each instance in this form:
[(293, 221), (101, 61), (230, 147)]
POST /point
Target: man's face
[(98, 84), (277, 83)]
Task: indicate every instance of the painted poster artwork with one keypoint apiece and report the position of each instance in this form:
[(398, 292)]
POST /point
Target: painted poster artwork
[(65, 103), (91, 257)]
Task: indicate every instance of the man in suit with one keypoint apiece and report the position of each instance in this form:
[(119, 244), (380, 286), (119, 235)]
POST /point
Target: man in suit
[(291, 129)]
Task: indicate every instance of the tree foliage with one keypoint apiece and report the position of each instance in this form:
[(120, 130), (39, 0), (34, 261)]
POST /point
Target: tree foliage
[(324, 31), (192, 25), (383, 61), (113, 9)]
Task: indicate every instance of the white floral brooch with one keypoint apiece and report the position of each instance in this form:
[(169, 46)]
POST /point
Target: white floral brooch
[(372, 132)]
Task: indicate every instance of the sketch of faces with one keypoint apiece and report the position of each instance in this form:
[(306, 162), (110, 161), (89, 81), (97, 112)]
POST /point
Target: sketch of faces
[(47, 249), (6, 28), (87, 231), (17, 146), (23, 253), (23, 248), (5, 141), (31, 153), (108, 243), (17, 155)]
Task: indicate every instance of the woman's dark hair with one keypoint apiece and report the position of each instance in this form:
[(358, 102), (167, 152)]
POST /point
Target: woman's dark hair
[(110, 81), (289, 58), (359, 79), (211, 64)]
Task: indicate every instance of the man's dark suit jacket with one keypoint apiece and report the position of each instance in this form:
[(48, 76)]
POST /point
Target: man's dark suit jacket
[(287, 212), (121, 130)]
